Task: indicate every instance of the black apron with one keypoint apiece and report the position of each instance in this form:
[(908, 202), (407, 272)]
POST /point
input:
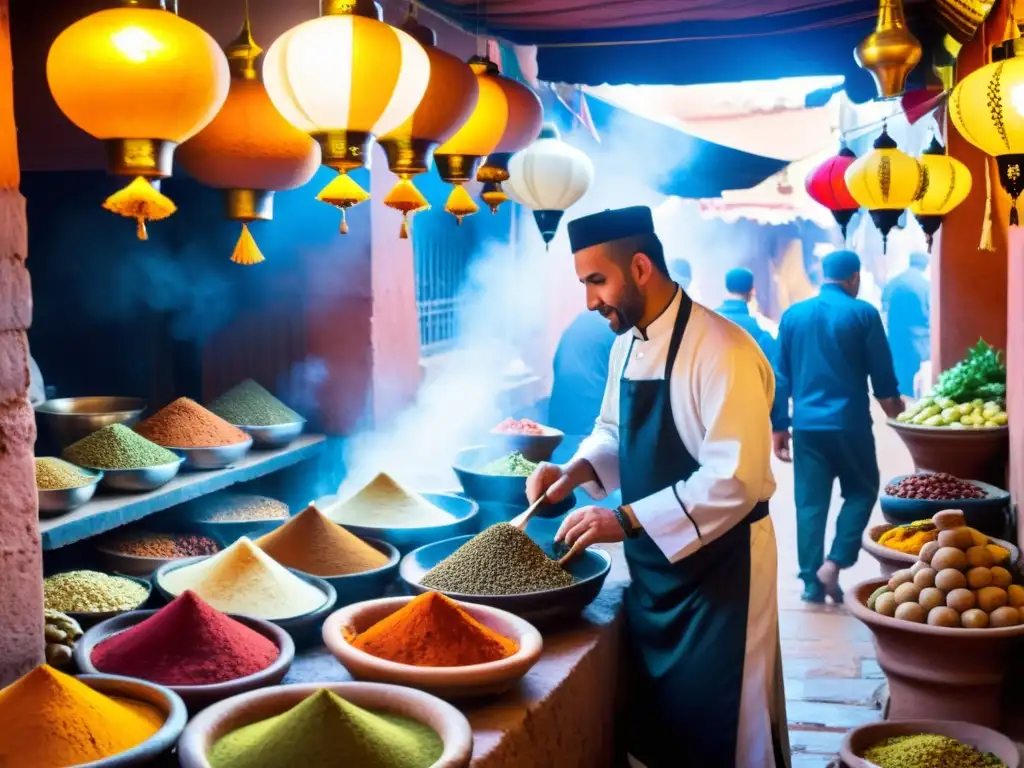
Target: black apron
[(687, 621)]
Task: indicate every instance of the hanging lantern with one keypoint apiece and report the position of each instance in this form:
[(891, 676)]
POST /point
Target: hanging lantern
[(548, 177), (986, 107), (249, 150), (826, 185), (891, 52), (142, 80), (458, 158), (947, 182), (451, 94), (345, 78), (885, 181)]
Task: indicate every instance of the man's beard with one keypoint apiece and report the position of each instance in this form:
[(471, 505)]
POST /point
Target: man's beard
[(628, 312)]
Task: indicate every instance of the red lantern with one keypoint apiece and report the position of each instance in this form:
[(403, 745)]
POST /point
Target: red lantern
[(826, 185)]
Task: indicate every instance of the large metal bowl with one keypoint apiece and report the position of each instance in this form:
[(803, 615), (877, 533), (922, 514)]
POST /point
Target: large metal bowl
[(69, 419), (218, 457), (57, 502), (275, 435), (138, 480)]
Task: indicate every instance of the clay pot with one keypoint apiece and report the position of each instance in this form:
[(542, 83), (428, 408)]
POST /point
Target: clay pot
[(859, 740), (939, 673), (980, 454), (890, 561)]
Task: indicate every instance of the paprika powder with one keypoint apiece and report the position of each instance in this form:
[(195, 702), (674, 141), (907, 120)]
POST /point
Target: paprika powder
[(187, 642), (186, 424)]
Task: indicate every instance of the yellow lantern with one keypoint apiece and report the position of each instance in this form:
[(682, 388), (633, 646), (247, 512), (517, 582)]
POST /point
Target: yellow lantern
[(891, 52), (249, 150), (987, 108), (947, 183), (345, 78), (885, 181), (142, 80)]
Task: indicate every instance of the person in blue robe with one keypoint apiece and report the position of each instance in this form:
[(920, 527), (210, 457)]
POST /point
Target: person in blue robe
[(906, 303), (739, 283), (580, 371)]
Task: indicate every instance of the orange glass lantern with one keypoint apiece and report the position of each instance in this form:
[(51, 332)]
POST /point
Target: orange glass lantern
[(525, 119), (249, 150)]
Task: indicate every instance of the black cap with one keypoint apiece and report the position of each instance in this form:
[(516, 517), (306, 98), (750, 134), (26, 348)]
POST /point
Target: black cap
[(610, 225)]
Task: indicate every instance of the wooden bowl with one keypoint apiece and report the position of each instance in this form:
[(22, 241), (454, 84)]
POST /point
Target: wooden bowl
[(197, 696), (859, 740), (247, 708), (446, 682), (977, 453), (890, 561)]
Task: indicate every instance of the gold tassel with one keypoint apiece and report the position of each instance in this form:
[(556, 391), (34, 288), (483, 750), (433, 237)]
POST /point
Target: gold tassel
[(460, 204), (140, 228), (141, 201), (343, 193), (986, 243), (405, 198), (246, 251), (403, 232)]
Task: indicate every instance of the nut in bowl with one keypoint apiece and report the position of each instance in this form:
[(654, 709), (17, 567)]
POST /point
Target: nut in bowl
[(343, 629)]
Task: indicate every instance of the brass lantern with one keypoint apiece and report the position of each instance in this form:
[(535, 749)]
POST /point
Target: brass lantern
[(947, 183), (891, 52)]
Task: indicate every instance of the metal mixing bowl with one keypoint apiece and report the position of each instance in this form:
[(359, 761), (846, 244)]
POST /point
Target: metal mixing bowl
[(57, 502), (274, 436), (69, 419), (139, 480), (217, 457)]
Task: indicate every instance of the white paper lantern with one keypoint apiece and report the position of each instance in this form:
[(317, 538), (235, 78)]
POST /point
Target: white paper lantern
[(548, 177)]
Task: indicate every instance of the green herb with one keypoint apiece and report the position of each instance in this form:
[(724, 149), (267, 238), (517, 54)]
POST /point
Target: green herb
[(117, 447), (250, 405), (513, 464), (979, 376)]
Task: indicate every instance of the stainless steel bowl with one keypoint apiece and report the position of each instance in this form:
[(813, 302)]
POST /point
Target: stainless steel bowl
[(139, 480), (213, 458), (69, 419), (274, 436), (57, 502)]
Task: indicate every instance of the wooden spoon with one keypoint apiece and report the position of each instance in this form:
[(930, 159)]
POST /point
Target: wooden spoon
[(520, 521), (577, 547)]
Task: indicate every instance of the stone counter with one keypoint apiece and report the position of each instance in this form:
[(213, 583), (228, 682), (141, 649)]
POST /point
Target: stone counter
[(562, 713)]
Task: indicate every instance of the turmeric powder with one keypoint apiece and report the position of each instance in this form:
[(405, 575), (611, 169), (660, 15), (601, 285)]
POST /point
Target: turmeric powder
[(909, 538), (433, 631), (51, 719)]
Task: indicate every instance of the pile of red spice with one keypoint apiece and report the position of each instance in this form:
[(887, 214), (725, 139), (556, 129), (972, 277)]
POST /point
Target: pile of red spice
[(186, 424), (187, 642), (163, 545), (512, 426)]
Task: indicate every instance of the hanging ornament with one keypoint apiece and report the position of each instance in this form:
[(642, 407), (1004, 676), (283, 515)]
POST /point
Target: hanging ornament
[(985, 108), (891, 52), (141, 201), (406, 199), (458, 158), (548, 177), (142, 80), (947, 183), (249, 150), (493, 195), (246, 252), (885, 181), (345, 78), (343, 193), (826, 185)]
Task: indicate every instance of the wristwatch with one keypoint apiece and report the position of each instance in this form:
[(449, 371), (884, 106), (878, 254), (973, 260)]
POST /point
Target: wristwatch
[(625, 520)]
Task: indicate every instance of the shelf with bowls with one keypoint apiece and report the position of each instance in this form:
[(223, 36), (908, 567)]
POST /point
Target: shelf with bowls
[(104, 513)]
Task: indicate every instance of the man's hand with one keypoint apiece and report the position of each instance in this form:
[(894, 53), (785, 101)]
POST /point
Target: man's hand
[(780, 444), (893, 406), (590, 525), (558, 482)]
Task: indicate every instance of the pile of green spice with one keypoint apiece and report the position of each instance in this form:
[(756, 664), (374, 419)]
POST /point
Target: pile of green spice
[(168, 546), (250, 405), (56, 475), (91, 592), (500, 561), (117, 447), (325, 731), (238, 507), (931, 750), (513, 464)]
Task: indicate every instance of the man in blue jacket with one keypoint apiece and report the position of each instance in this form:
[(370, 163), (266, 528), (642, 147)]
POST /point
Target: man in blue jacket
[(829, 346), (906, 303), (739, 283)]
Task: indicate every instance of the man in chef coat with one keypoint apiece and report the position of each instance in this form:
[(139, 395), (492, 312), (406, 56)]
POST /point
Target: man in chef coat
[(684, 432)]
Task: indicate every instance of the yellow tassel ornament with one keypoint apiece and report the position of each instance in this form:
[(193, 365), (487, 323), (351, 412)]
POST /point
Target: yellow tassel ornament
[(246, 251), (343, 193), (406, 199), (493, 195), (460, 204), (141, 201)]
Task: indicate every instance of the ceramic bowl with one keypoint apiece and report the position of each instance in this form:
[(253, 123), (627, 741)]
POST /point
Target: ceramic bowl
[(358, 587), (988, 515), (446, 682), (159, 697), (533, 447), (247, 708), (57, 502), (197, 696), (194, 518), (69, 419), (217, 457), (979, 453), (501, 489), (273, 436), (89, 619), (139, 480), (859, 740), (890, 561)]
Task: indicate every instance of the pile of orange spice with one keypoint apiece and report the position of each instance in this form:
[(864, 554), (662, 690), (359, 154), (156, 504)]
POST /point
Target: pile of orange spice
[(433, 631), (186, 424)]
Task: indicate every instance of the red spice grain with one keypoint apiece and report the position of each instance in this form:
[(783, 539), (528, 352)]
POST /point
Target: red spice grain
[(186, 424)]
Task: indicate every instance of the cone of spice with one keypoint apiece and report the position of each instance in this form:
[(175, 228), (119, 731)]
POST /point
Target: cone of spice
[(245, 579), (187, 642), (325, 731), (186, 424), (384, 503), (118, 447), (52, 719), (311, 543), (250, 405), (434, 631)]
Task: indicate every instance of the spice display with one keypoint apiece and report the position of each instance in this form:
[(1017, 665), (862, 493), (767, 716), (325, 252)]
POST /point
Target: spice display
[(250, 405), (434, 631), (325, 731), (311, 543), (166, 546), (51, 719), (237, 508), (60, 633), (501, 560), (928, 749), (244, 579), (92, 592), (514, 464), (187, 642), (512, 426), (186, 424), (383, 503), (938, 486), (56, 475), (959, 580), (909, 538), (117, 447)]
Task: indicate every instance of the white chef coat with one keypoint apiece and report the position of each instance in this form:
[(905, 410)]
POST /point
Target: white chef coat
[(721, 399)]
